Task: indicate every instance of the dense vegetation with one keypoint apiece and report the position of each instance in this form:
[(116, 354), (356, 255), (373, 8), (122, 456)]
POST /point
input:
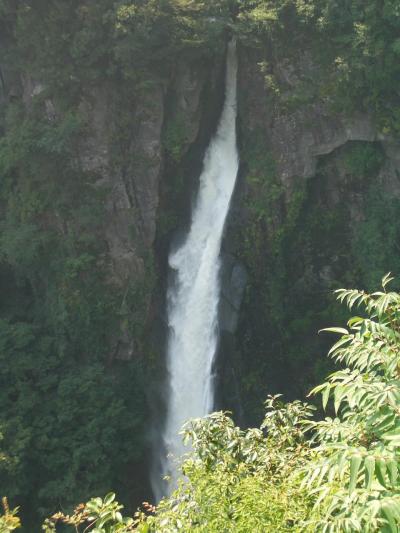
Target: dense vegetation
[(294, 473), (318, 245), (73, 420), (58, 314), (342, 56)]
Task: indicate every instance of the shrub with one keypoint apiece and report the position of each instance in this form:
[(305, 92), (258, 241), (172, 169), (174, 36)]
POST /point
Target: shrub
[(339, 474)]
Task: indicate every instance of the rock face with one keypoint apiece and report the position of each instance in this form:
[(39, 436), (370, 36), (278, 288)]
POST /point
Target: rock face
[(134, 144), (132, 199), (304, 201), (297, 138), (126, 147), (134, 180), (233, 284), (135, 187)]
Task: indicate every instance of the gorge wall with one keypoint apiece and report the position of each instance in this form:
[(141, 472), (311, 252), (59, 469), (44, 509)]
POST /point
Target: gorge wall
[(103, 128), (319, 191)]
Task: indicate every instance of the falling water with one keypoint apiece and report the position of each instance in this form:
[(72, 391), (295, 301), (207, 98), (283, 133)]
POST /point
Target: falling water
[(193, 296)]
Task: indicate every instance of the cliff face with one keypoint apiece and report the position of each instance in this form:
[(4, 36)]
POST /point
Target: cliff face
[(143, 149), (298, 135), (93, 186), (105, 112), (133, 144), (317, 186)]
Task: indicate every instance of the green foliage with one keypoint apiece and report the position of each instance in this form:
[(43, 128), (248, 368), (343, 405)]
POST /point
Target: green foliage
[(377, 236), (65, 410), (339, 474), (262, 178), (364, 160), (354, 47), (313, 238), (60, 315), (62, 418), (114, 40), (355, 469), (157, 30), (134, 307), (9, 521), (366, 58), (97, 515), (174, 138), (238, 480)]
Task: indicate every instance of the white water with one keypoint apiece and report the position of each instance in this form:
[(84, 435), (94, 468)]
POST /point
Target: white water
[(193, 296)]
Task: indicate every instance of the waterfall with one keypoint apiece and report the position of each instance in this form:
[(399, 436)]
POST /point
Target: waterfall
[(194, 290)]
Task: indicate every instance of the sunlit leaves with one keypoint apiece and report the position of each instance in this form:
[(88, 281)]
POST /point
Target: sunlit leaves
[(358, 452), (9, 520), (346, 466), (242, 480), (97, 515)]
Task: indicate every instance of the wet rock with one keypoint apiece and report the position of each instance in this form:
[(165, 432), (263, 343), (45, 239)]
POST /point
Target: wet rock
[(233, 284)]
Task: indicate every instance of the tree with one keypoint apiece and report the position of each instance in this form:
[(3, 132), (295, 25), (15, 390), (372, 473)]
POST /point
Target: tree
[(339, 474), (355, 467)]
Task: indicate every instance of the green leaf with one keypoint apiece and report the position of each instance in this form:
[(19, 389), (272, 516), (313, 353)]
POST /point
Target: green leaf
[(380, 471), (338, 395), (369, 465), (109, 498), (355, 464), (393, 436), (393, 471), (341, 342), (388, 514), (341, 331), (325, 396), (386, 279), (355, 320)]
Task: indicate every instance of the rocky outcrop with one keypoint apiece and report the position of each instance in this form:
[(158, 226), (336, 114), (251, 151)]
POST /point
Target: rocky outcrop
[(297, 137), (131, 161), (233, 284), (124, 148), (303, 223), (132, 185)]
